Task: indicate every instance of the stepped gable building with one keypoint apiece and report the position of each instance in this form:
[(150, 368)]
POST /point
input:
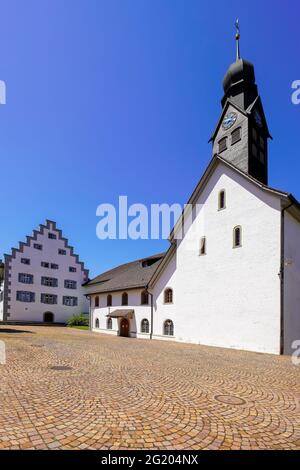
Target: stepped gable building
[(42, 279)]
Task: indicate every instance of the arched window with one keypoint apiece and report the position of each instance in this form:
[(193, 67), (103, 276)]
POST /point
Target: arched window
[(124, 298), (144, 298), (168, 328), (109, 300), (97, 301), (97, 323), (222, 199), (145, 326), (237, 236), (168, 296), (202, 250), (109, 323)]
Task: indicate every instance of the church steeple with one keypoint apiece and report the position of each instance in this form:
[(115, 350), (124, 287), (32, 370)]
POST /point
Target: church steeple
[(242, 132)]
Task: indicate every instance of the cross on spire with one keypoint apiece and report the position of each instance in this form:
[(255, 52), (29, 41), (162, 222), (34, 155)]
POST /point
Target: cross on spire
[(237, 37)]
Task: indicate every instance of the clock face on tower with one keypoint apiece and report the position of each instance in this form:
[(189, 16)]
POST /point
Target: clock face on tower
[(258, 118), (229, 120)]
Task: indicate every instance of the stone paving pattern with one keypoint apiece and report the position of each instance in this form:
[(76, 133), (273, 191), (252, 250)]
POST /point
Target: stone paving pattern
[(124, 393)]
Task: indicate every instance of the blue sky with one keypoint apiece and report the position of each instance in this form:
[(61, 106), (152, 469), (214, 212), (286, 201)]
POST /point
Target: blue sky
[(113, 97)]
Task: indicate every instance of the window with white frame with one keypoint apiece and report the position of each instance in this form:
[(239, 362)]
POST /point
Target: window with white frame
[(23, 296), (49, 299), (145, 326), (237, 236), (69, 284), (168, 328), (25, 278), (70, 301), (49, 281)]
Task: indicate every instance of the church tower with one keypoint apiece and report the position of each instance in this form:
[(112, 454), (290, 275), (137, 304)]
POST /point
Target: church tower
[(241, 136)]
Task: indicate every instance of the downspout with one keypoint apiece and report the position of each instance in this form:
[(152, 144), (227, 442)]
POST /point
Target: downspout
[(90, 312), (282, 273)]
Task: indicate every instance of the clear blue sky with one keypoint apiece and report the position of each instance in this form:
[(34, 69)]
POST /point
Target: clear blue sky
[(113, 97)]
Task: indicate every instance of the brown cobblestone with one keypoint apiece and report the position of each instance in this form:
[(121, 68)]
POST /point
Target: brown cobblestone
[(125, 393)]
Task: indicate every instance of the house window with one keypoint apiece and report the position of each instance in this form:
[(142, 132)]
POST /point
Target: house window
[(61, 251), (202, 250), (52, 236), (70, 301), (54, 266), (37, 246), (48, 299), (44, 264), (144, 298), (124, 298), (236, 136), (25, 261), (109, 323), (168, 296), (168, 328), (222, 200), (222, 144), (145, 326), (109, 300), (26, 278), (70, 284), (97, 323), (237, 237), (72, 269), (49, 281), (97, 301), (25, 296)]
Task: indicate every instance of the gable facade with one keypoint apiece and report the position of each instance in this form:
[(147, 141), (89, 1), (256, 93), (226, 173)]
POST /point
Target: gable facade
[(43, 279)]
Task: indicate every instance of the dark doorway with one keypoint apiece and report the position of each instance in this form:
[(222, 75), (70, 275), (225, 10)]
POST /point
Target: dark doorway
[(48, 317), (124, 328)]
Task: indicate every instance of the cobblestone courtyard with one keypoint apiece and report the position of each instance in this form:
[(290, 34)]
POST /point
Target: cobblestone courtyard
[(120, 393)]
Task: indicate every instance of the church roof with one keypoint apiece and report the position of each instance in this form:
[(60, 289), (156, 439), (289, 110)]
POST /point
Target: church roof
[(144, 272), (289, 202), (135, 274)]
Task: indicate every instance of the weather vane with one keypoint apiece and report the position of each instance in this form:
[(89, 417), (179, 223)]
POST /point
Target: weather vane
[(237, 37)]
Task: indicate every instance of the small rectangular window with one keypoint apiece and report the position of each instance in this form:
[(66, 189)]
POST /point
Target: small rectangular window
[(70, 301), (52, 236), (25, 296), (54, 266), (37, 246), (254, 134), (202, 246), (236, 136), (222, 144), (49, 281), (44, 264), (62, 252), (25, 261), (48, 299), (72, 269), (26, 278), (70, 284)]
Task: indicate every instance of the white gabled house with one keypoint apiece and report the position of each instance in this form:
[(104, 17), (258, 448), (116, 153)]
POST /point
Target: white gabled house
[(42, 279), (233, 279)]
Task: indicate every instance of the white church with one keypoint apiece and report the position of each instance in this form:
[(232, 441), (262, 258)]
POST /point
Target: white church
[(237, 283)]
